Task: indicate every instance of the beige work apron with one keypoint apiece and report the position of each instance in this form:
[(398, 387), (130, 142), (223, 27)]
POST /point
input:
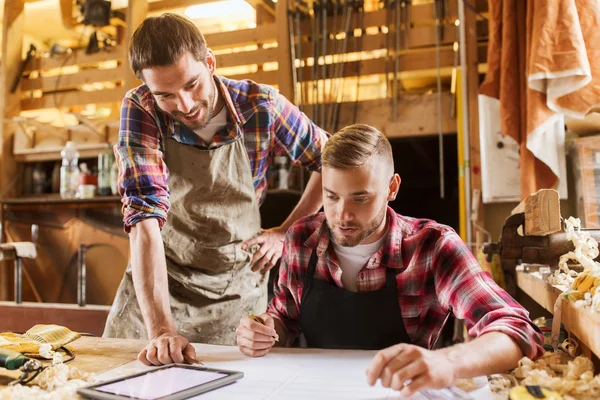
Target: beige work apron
[(213, 211)]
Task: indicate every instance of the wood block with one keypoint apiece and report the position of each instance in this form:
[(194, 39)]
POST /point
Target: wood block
[(542, 212)]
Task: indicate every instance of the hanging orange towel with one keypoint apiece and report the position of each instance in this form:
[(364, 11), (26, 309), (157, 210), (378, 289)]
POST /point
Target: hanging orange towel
[(541, 54)]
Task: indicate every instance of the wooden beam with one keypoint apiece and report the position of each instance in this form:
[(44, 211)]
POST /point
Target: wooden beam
[(259, 56), (417, 115), (473, 58), (410, 60), (284, 71), (418, 37), (73, 81), (73, 98), (10, 65), (78, 57), (244, 37), (21, 317), (136, 13)]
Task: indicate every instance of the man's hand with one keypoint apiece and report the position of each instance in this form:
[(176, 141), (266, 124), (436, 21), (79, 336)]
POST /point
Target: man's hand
[(255, 339), (271, 241), (168, 348), (410, 368)]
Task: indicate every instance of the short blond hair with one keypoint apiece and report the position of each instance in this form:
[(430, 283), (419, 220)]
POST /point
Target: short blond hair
[(357, 145)]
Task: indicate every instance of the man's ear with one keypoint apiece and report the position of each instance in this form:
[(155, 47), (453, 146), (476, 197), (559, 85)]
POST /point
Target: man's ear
[(211, 61), (394, 187)]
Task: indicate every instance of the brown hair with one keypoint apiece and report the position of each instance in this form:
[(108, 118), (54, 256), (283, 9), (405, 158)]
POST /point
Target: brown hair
[(163, 40), (357, 145)]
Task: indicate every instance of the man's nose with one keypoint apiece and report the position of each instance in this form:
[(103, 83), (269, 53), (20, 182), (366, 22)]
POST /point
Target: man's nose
[(185, 103)]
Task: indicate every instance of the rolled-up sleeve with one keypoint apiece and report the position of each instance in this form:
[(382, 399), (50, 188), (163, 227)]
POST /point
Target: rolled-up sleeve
[(473, 296), (296, 135), (285, 306), (143, 174)]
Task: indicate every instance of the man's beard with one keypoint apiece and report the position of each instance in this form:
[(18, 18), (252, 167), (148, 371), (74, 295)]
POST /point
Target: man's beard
[(361, 234), (203, 104)]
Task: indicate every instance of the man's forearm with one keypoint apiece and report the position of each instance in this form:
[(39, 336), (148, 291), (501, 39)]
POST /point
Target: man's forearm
[(150, 277), (309, 203), (488, 354)]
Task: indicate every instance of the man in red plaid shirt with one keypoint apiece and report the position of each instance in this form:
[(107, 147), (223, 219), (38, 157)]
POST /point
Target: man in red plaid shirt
[(360, 276)]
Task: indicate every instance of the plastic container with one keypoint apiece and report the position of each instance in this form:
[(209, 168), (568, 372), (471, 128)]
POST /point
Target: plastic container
[(105, 162), (69, 171)]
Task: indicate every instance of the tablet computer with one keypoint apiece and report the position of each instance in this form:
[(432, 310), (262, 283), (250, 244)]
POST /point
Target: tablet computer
[(169, 382)]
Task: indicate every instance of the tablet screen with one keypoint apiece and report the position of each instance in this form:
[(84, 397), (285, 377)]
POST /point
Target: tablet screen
[(160, 383)]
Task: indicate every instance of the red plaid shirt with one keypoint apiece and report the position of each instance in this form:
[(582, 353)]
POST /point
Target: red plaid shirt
[(437, 275)]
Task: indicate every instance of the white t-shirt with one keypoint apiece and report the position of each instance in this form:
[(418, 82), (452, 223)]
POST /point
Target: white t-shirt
[(216, 123), (353, 259)]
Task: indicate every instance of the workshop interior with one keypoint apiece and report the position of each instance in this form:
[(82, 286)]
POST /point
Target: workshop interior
[(492, 111)]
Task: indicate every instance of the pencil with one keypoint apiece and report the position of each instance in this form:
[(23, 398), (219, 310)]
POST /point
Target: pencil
[(260, 321), (191, 360)]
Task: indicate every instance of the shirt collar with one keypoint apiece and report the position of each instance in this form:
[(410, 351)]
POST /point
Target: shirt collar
[(223, 86), (389, 255)]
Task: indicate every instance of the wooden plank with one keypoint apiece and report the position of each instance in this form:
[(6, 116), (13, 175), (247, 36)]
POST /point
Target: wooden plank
[(73, 98), (284, 70), (582, 322), (78, 57), (259, 56), (417, 115), (260, 34), (418, 37), (10, 64), (72, 81), (420, 14), (266, 77), (136, 13), (21, 317)]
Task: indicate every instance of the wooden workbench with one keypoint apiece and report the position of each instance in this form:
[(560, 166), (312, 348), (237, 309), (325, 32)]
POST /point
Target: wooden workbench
[(581, 322), (95, 355)]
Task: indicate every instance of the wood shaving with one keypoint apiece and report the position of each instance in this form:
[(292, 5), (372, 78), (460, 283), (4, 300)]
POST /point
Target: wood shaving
[(572, 379), (57, 382), (500, 385), (584, 288), (46, 351)]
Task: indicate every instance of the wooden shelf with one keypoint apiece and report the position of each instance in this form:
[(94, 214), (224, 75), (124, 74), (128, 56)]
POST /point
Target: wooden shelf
[(55, 201), (53, 153), (582, 322)]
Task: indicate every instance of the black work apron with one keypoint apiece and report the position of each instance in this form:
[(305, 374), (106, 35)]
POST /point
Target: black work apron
[(332, 317)]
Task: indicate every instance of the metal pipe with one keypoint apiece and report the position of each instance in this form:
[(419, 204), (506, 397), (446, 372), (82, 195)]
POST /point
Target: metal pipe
[(18, 280), (439, 98), (324, 53), (293, 52), (336, 107), (81, 275), (360, 16), (396, 60), (465, 118), (302, 98), (337, 53), (315, 79)]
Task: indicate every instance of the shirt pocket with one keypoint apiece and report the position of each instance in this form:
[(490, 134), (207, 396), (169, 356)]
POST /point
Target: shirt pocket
[(412, 309)]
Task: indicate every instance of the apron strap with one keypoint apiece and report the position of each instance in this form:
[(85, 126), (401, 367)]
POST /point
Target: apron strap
[(310, 273), (390, 278)]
